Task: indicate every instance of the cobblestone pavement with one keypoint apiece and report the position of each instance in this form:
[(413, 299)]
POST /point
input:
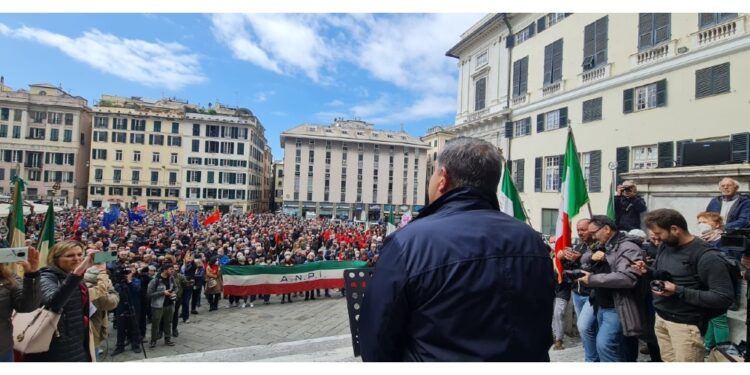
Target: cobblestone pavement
[(304, 331)]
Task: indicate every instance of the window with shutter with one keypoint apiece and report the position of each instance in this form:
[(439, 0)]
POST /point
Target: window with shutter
[(508, 129), (713, 80), (553, 62), (518, 174), (522, 127), (710, 19), (665, 155), (740, 147), (538, 174), (592, 110), (520, 76), (623, 162), (480, 89), (595, 177)]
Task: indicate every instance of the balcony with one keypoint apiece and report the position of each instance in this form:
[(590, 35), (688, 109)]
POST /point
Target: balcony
[(595, 74), (553, 88), (720, 32), (657, 53), (519, 100)]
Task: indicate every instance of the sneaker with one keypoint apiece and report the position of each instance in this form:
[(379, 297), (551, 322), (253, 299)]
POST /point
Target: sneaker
[(194, 312), (251, 305), (117, 351), (136, 349), (186, 322), (152, 344), (169, 343), (244, 305)]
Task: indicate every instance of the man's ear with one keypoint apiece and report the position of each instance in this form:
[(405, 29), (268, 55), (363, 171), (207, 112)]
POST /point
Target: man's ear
[(444, 182)]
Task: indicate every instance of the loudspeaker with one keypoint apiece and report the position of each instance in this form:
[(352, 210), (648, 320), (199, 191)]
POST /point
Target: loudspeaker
[(706, 153)]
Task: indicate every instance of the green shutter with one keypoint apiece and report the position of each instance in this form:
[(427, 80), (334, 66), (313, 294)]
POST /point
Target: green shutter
[(627, 101), (538, 174), (623, 162), (665, 155), (661, 93), (564, 117)]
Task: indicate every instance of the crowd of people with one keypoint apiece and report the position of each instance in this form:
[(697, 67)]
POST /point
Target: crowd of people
[(166, 264), (461, 282)]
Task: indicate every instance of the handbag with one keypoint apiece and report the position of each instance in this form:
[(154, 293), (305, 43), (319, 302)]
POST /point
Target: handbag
[(33, 331), (212, 283)]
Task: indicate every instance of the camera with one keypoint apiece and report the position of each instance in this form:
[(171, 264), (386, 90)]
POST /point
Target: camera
[(627, 190), (121, 274), (737, 240), (657, 285), (572, 275)]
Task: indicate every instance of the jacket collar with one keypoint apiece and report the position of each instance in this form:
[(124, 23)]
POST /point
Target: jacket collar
[(461, 199)]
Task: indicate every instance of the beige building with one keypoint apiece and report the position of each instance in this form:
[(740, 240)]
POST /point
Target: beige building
[(44, 137), (267, 190), (436, 138), (637, 89), (166, 154), (349, 170)]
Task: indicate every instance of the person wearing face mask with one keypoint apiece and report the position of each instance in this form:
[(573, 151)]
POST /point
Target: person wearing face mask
[(698, 283), (288, 262)]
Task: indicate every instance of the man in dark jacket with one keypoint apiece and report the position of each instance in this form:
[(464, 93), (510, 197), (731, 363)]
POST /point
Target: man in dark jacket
[(463, 281), (128, 287), (733, 207), (629, 206)]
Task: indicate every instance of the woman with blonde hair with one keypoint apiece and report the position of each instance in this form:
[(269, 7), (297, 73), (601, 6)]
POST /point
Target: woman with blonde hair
[(63, 291), (21, 296)]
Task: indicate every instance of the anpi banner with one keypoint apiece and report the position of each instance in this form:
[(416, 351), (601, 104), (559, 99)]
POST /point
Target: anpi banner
[(253, 280)]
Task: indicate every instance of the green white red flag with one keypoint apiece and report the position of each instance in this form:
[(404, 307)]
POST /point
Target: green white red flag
[(574, 196), (16, 223), (252, 280), (510, 201), (47, 235)]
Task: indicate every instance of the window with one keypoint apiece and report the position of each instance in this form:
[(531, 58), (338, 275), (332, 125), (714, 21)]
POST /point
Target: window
[(480, 88), (173, 140), (17, 132), (175, 128), (522, 127), (553, 55), (653, 28), (154, 177), (156, 139), (135, 177), (118, 155), (116, 176), (645, 157), (136, 156), (38, 117), (157, 126), (195, 161), (711, 19), (17, 113), (193, 176), (67, 135), (68, 119), (592, 110), (595, 44), (137, 138), (549, 221), (3, 130), (552, 120), (98, 173), (36, 133), (4, 114), (524, 34), (101, 122), (153, 192), (155, 157), (552, 173), (196, 146), (113, 190), (645, 97), (240, 149), (211, 146), (210, 177), (55, 118), (554, 18), (172, 178), (212, 131), (481, 59), (54, 135), (173, 158), (591, 166), (713, 80), (99, 136), (138, 125), (520, 77), (517, 173), (120, 124), (196, 130), (99, 154)]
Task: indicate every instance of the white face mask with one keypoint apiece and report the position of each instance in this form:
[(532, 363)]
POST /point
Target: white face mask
[(288, 257), (704, 227)]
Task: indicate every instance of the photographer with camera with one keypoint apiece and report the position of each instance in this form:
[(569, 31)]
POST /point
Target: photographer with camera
[(617, 295), (128, 287), (162, 293), (629, 206), (691, 285)]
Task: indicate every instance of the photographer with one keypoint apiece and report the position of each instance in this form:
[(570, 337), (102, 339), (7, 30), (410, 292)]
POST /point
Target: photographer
[(128, 288), (629, 206), (693, 285), (162, 293), (616, 296)]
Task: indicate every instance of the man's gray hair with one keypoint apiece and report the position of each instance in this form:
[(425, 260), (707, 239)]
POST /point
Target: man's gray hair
[(736, 183), (472, 162)]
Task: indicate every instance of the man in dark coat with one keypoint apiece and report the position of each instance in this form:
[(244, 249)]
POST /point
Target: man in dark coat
[(462, 281), (629, 206), (733, 207)]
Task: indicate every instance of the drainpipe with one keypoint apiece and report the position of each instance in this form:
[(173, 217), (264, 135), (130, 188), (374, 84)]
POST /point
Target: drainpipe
[(510, 61)]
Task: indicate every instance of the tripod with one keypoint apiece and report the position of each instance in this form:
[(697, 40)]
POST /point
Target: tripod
[(133, 317)]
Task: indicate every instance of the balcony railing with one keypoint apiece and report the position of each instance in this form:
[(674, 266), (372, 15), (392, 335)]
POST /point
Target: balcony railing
[(654, 54), (592, 75), (553, 88), (478, 114), (519, 100), (720, 32)]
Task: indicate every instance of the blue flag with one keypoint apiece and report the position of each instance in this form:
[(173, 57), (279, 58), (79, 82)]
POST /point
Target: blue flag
[(134, 216), (196, 224), (84, 224), (111, 216)]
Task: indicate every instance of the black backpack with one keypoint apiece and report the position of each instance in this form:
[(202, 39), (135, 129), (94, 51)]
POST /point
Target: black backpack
[(733, 269)]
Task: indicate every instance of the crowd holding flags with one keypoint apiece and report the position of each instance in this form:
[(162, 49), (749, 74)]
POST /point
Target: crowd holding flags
[(213, 218)]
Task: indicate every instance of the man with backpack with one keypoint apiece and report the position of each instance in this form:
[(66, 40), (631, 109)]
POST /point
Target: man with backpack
[(691, 285)]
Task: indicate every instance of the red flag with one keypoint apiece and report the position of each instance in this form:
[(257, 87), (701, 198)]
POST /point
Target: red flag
[(214, 217), (77, 222)]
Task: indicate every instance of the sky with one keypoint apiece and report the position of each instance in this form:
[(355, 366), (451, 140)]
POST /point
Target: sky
[(288, 69)]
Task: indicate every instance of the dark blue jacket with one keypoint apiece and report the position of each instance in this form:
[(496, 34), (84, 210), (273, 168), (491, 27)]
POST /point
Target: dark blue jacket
[(739, 215), (628, 212), (461, 282)]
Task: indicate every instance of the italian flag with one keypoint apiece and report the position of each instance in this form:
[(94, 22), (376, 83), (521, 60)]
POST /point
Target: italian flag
[(510, 201), (611, 202), (47, 236), (17, 225), (252, 280), (574, 195)]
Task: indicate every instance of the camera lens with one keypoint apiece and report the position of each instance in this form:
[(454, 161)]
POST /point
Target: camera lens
[(21, 254)]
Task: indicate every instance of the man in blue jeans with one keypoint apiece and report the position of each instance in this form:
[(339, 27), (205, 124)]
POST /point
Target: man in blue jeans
[(616, 339), (571, 259)]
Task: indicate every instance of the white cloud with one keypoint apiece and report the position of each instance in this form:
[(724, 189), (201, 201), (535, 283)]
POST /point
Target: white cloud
[(263, 96), (407, 51), (335, 103), (152, 64)]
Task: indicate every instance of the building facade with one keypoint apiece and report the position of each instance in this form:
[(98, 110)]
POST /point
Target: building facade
[(278, 185), (637, 89), (169, 154), (45, 138), (349, 170), (436, 138)]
